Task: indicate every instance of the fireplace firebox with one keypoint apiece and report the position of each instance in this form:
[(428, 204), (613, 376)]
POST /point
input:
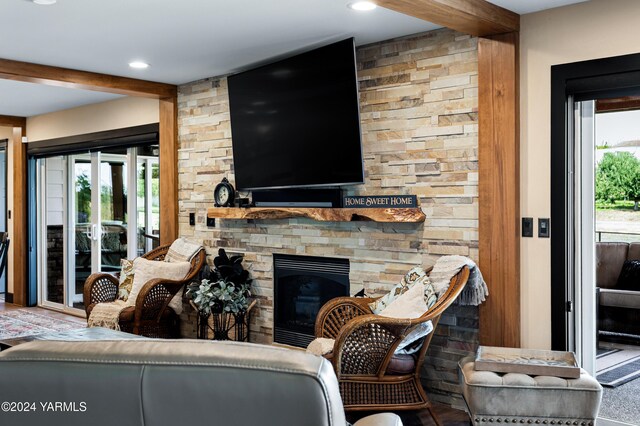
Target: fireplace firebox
[(302, 284)]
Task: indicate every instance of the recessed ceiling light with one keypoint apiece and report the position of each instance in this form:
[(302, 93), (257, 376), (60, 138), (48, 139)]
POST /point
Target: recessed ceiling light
[(362, 6), (139, 65), (44, 2)]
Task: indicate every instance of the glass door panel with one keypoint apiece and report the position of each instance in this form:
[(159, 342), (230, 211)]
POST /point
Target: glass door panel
[(81, 221), (148, 202), (3, 210), (113, 211), (83, 218), (52, 214)]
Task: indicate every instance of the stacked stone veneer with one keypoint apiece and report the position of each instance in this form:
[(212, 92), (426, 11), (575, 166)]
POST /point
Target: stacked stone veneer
[(418, 103)]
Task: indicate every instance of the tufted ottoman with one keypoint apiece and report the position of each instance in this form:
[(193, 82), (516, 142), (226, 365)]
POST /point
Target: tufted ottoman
[(519, 398)]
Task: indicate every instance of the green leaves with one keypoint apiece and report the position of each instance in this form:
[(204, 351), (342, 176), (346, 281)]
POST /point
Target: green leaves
[(225, 289), (618, 178), (219, 296)]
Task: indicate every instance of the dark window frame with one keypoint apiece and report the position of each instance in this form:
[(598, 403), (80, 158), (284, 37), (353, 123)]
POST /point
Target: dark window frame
[(586, 80)]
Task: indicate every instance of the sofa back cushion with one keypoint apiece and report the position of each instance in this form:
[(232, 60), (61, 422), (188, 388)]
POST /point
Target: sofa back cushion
[(634, 251), (629, 278), (170, 382), (609, 260)]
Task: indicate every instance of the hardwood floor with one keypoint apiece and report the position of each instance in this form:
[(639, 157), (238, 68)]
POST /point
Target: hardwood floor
[(53, 314), (447, 415)]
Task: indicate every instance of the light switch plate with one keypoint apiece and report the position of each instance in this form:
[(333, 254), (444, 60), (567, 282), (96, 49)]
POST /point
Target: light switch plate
[(527, 227), (543, 227)]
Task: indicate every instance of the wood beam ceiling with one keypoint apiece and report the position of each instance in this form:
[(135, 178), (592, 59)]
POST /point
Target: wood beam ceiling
[(74, 79), (626, 103), (12, 121), (476, 17)]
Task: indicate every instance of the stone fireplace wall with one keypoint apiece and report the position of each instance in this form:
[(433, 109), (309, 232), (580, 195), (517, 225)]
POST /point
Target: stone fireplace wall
[(418, 100)]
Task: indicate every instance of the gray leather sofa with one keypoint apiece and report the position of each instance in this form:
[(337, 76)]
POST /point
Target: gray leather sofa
[(618, 310), (169, 382)]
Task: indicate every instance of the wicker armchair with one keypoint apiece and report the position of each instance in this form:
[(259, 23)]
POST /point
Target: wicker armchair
[(151, 316), (364, 347)]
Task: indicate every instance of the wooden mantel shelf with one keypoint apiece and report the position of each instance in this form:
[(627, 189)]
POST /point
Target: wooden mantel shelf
[(407, 215)]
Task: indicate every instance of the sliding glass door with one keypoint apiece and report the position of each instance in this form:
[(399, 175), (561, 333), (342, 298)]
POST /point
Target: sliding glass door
[(3, 212), (84, 220)]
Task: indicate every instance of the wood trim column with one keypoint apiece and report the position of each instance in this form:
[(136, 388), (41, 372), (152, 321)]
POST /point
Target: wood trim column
[(18, 234), (499, 188), (168, 169)]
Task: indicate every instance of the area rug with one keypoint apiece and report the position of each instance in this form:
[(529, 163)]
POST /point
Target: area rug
[(23, 322), (617, 365)]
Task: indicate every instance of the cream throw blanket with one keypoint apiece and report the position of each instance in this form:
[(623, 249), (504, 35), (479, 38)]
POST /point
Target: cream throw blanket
[(106, 315), (474, 293)]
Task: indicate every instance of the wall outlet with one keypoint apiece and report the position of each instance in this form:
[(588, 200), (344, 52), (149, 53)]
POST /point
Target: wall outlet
[(211, 222), (527, 227), (543, 227), (192, 219)]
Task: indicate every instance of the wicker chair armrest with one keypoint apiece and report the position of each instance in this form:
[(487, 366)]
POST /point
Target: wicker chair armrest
[(334, 314), (99, 288), (366, 344), (154, 297)]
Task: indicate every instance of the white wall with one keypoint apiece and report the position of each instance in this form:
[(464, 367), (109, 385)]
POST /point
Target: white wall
[(591, 30), (116, 114)]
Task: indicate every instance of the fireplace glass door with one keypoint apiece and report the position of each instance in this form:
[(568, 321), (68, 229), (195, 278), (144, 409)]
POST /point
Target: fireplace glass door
[(302, 285)]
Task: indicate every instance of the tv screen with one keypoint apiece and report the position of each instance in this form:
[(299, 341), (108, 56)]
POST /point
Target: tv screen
[(296, 123)]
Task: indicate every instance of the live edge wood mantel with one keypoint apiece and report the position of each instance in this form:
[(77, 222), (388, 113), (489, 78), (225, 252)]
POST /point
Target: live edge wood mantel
[(406, 215)]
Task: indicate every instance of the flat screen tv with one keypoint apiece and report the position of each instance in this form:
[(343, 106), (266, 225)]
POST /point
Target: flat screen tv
[(296, 122)]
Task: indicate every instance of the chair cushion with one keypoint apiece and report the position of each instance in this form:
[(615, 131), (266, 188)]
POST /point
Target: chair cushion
[(629, 278), (609, 260), (145, 270), (127, 314), (412, 277), (634, 251), (399, 364)]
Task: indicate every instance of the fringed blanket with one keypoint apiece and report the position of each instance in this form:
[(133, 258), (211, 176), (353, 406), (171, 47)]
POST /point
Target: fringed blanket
[(107, 315), (474, 293)]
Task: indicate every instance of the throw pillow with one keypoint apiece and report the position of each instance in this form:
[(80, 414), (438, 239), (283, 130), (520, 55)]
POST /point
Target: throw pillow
[(146, 270), (410, 305), (321, 346), (415, 275), (413, 304), (629, 278), (182, 250), (126, 279)]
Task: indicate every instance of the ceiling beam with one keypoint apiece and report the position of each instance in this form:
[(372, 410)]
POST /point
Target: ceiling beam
[(74, 79), (625, 103), (476, 17), (12, 121)]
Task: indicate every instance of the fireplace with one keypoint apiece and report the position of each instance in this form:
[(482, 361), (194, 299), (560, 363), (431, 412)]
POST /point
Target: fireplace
[(302, 284)]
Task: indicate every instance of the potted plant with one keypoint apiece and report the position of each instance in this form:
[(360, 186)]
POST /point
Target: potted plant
[(222, 293)]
